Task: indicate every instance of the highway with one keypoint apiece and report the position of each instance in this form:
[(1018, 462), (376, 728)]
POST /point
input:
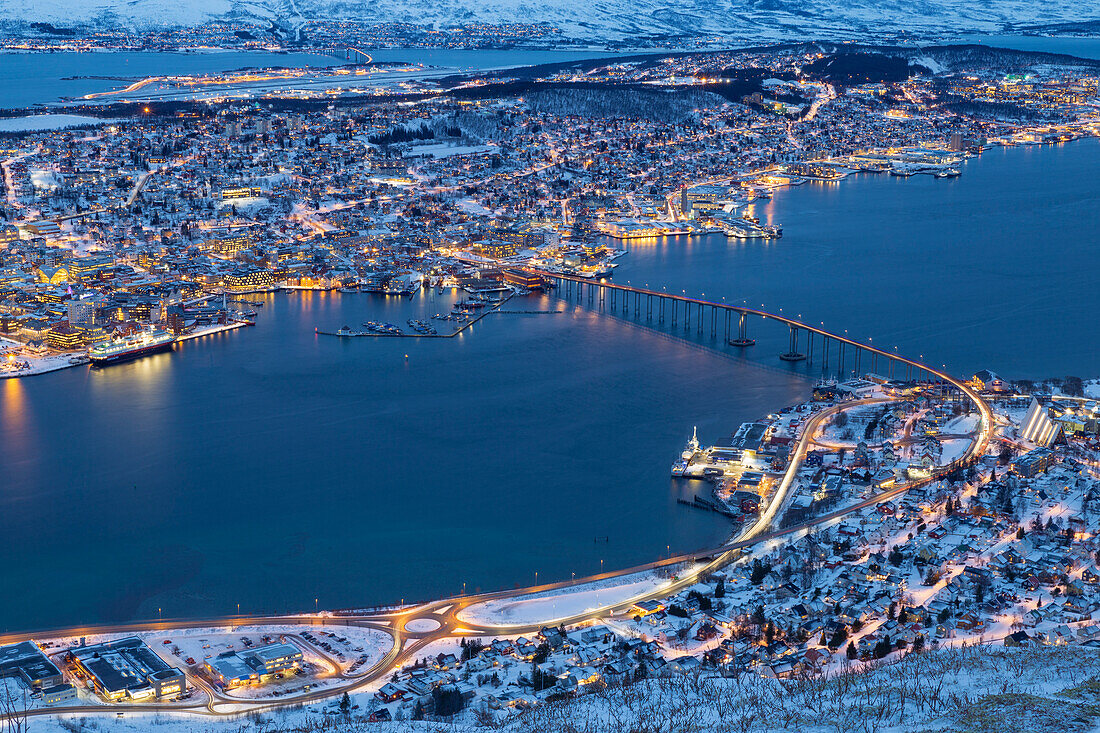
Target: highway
[(407, 644)]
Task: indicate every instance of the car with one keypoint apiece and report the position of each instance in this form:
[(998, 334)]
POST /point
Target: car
[(190, 660), (167, 641)]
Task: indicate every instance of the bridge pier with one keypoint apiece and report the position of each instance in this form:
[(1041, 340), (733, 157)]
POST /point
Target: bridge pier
[(713, 321), (793, 353), (858, 352), (727, 335), (810, 336), (742, 332), (673, 311), (824, 353), (649, 307), (840, 360), (660, 309)]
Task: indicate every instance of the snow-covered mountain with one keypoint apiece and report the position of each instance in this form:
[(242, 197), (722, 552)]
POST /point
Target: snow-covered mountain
[(594, 19)]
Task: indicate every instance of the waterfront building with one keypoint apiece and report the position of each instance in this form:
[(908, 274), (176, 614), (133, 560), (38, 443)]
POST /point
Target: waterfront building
[(26, 662), (64, 337), (257, 666), (127, 669), (523, 279), (248, 279)]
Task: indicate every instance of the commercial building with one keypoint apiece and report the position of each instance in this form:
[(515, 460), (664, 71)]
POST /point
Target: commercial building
[(127, 669), (81, 312), (64, 337), (255, 666), (523, 279), (496, 250), (1033, 463), (242, 192), (248, 280), (27, 663), (749, 438)]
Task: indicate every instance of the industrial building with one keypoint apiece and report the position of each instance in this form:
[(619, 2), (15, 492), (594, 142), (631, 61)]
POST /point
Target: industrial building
[(255, 666), (27, 663), (127, 669)]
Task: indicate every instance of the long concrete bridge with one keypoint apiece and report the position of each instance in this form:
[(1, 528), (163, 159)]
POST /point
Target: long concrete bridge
[(407, 643), (733, 321)]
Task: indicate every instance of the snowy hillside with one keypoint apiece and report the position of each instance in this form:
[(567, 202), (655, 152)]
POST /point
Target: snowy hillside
[(594, 19)]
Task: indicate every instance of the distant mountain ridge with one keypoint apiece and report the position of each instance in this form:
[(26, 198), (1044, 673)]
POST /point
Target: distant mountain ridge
[(613, 20)]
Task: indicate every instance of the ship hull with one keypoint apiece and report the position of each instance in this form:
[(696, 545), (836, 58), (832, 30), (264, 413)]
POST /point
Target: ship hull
[(130, 355)]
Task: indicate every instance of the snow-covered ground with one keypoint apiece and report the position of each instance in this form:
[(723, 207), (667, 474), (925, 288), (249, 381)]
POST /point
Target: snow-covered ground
[(446, 150), (953, 449), (962, 424), (213, 328), (13, 363), (550, 606), (745, 19), (976, 688), (49, 122)]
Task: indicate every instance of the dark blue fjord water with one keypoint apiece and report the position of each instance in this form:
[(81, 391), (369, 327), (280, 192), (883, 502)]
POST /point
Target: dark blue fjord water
[(44, 78), (995, 269), (270, 466)]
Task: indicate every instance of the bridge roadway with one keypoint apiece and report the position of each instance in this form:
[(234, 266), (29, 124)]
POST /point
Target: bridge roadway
[(446, 613), (605, 287)]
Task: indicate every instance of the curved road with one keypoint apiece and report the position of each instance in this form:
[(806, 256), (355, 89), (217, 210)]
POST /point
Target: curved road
[(445, 613)]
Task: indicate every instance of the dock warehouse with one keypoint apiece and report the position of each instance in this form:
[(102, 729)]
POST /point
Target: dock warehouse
[(127, 668)]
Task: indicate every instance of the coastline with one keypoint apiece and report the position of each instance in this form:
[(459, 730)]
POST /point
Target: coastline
[(69, 359)]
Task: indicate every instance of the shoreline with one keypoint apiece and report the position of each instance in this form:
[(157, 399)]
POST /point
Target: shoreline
[(57, 362)]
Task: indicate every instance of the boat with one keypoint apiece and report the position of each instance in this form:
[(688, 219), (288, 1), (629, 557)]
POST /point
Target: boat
[(130, 347), (346, 331), (422, 327)]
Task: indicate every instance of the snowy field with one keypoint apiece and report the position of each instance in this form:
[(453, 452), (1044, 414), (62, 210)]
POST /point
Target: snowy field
[(36, 364), (444, 150), (974, 689), (350, 649), (550, 606), (35, 123)]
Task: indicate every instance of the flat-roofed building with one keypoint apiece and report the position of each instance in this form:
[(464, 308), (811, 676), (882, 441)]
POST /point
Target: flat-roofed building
[(58, 693), (26, 662), (255, 666), (127, 669)]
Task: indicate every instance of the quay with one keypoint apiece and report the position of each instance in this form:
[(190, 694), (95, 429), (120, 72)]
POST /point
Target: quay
[(489, 311)]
